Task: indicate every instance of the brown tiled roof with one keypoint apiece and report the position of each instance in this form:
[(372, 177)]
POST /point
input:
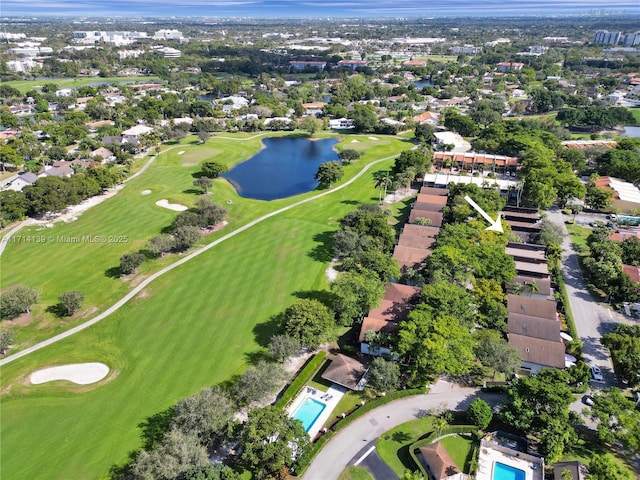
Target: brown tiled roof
[(622, 235), (436, 457), (415, 241), (435, 217), (532, 269), (544, 284), (435, 191), (399, 293), (538, 351), (429, 207), (534, 256), (534, 327), (521, 216), (410, 257), (633, 271), (533, 307), (376, 325), (420, 230), (345, 371), (524, 226), (429, 198)]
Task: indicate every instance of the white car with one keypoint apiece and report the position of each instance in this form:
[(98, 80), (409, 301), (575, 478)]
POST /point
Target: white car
[(596, 374)]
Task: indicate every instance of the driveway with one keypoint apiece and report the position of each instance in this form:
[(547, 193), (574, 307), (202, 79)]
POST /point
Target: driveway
[(591, 318), (348, 446)]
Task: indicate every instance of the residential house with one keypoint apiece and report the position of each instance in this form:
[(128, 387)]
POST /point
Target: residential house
[(353, 64), (51, 171), (626, 196), (341, 124), (346, 371), (133, 134), (313, 108), (24, 179), (509, 66), (302, 65), (438, 463), (534, 331), (397, 302), (427, 117), (434, 219), (104, 154)]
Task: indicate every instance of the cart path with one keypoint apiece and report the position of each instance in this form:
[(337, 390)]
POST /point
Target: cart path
[(183, 260)]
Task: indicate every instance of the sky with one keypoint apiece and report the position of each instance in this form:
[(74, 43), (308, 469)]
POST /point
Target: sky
[(311, 8)]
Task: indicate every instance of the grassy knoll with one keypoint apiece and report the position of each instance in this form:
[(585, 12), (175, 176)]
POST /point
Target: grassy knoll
[(26, 85), (393, 446), (355, 473), (197, 326)]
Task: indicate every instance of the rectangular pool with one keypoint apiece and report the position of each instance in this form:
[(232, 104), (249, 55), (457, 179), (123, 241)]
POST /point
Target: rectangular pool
[(505, 472), (308, 412)]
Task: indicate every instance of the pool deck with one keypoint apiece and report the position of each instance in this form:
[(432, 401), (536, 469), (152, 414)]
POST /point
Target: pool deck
[(489, 455), (330, 398)]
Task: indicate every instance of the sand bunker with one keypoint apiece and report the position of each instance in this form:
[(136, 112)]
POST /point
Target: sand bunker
[(145, 192), (181, 152), (373, 138), (80, 373), (164, 203), (355, 141)]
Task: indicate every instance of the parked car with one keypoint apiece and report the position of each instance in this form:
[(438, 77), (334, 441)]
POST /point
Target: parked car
[(588, 400), (596, 374)]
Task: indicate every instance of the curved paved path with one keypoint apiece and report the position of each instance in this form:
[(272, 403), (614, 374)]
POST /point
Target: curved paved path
[(176, 264), (343, 449)]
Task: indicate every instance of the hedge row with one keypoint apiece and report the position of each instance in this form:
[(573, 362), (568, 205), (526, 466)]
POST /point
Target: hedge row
[(306, 374), (308, 457)]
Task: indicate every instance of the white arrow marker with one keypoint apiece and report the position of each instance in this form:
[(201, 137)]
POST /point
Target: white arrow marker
[(496, 225)]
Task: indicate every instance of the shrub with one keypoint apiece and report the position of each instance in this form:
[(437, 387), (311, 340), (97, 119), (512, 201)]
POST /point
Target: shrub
[(17, 301), (70, 302), (130, 261)]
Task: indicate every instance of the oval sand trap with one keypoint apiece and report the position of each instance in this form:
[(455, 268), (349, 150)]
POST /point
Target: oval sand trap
[(181, 152), (164, 203), (80, 373), (145, 192)]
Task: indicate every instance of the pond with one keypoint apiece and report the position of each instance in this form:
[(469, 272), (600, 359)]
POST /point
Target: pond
[(283, 168)]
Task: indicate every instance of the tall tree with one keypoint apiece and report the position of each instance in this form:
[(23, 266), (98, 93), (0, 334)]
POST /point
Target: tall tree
[(271, 441), (328, 173), (309, 321), (354, 295)]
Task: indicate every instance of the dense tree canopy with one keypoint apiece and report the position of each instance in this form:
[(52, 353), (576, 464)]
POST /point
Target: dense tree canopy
[(309, 321), (271, 441)]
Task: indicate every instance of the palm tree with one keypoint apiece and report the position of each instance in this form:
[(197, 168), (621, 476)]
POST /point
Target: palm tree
[(533, 288), (440, 424), (383, 181)]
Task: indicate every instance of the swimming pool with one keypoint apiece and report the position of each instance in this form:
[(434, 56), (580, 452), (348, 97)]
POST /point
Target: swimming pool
[(505, 472), (308, 412)]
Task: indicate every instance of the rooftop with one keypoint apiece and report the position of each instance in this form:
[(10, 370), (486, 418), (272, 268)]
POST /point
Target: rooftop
[(346, 371), (538, 351)]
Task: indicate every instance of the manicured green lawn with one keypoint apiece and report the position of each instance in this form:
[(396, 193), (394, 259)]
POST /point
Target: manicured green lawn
[(26, 85), (636, 114), (393, 446), (355, 473), (460, 449), (196, 326)]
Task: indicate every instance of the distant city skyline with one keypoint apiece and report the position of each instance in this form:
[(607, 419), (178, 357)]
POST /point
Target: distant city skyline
[(311, 8)]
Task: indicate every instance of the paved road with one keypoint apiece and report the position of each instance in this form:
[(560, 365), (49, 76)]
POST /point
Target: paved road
[(591, 318), (176, 264), (348, 445)]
